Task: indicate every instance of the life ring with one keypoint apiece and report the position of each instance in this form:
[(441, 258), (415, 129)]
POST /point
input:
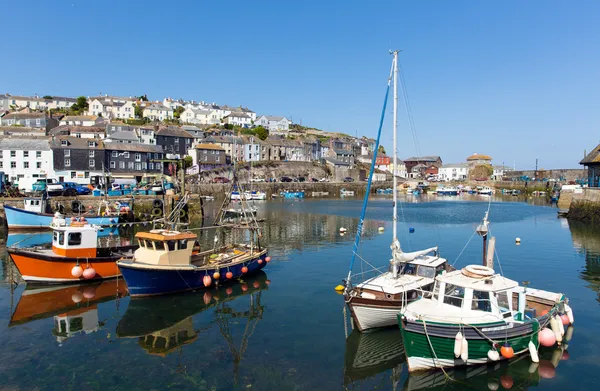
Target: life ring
[(157, 203), (157, 211), (477, 271)]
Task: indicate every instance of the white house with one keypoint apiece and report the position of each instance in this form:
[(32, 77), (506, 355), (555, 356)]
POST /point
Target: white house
[(79, 120), (275, 124), (398, 169), (498, 173), (200, 116), (111, 109), (172, 103), (453, 172), (158, 112), (25, 160), (147, 135), (242, 120), (37, 103)]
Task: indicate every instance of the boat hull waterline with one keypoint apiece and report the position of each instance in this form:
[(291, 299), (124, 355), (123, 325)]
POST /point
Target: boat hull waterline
[(148, 280), (22, 219)]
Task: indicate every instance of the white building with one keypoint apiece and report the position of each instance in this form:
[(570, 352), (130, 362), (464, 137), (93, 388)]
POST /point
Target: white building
[(200, 117), (158, 112), (398, 169), (25, 160), (453, 172), (238, 119), (80, 120), (274, 123), (172, 103), (37, 103), (499, 171), (147, 136), (111, 109)]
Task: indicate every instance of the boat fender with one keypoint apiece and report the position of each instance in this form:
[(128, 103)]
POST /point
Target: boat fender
[(458, 344), (556, 357), (77, 271), (533, 352), (339, 288), (561, 327), (564, 319), (156, 212), (207, 281), (555, 329), (569, 312), (493, 385), (546, 337), (507, 351), (493, 355), (89, 273), (157, 203), (569, 333), (464, 351)]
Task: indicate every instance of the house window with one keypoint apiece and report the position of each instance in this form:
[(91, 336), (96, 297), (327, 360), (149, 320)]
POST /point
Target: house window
[(13, 164), (67, 162), (38, 122), (64, 143), (25, 153), (158, 166), (91, 144), (122, 165), (130, 165), (138, 157), (78, 135), (113, 164), (73, 174), (114, 154), (151, 166), (13, 153), (149, 155), (138, 166), (92, 163), (67, 152), (176, 140), (205, 158), (25, 164), (38, 154), (126, 155), (144, 166), (91, 153), (86, 175)]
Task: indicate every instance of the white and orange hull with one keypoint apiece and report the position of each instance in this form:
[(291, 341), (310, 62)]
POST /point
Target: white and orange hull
[(37, 267)]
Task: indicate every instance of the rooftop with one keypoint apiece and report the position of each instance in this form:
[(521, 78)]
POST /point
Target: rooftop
[(592, 157), (24, 115), (209, 146), (116, 146), (476, 156), (63, 129), (80, 118), (422, 159), (76, 143), (26, 144), (173, 131), (490, 284)]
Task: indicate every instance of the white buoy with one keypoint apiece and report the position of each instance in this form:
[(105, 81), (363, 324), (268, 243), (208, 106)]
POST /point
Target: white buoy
[(342, 229), (533, 352), (380, 229), (518, 240), (555, 329), (569, 333), (569, 312), (493, 355), (458, 344), (561, 327), (464, 352)]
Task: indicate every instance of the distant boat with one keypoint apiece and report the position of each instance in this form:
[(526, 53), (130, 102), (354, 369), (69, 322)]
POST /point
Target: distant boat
[(256, 195), (385, 191), (33, 216), (346, 193), (485, 190), (292, 194), (447, 190)]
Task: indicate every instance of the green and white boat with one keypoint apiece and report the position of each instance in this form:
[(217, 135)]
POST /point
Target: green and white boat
[(475, 316)]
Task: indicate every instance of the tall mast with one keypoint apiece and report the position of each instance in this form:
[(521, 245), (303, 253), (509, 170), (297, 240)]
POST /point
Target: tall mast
[(395, 162)]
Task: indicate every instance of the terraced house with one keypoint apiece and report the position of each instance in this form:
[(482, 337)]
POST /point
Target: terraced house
[(79, 160), (133, 161), (158, 112), (29, 120), (174, 140), (25, 160)]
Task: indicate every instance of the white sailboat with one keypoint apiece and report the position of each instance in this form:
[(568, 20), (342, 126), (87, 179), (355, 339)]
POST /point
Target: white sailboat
[(377, 301)]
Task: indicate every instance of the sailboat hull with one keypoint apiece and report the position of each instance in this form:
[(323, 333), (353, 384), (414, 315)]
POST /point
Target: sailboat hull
[(22, 219)]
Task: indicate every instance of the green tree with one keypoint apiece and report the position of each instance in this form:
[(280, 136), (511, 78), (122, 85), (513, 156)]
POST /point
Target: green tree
[(80, 106), (261, 133), (177, 112), (381, 149), (187, 162), (139, 113), (46, 97), (143, 98)]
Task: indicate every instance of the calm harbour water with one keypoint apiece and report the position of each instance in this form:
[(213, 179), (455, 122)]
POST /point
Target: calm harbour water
[(285, 329)]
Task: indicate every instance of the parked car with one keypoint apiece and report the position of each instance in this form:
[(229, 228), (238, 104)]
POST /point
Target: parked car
[(324, 180), (220, 179), (49, 185), (314, 180), (286, 179), (257, 180), (348, 179), (301, 179), (73, 189)]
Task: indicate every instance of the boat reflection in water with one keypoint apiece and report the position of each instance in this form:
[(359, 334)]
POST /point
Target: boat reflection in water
[(74, 307), (372, 355), (519, 373), (585, 240), (163, 324)]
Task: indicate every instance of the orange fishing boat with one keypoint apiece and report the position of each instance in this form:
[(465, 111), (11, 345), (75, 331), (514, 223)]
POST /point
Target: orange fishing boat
[(74, 256)]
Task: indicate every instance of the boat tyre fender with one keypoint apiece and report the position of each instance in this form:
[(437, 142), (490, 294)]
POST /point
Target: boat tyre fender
[(156, 212), (182, 213), (157, 203), (60, 208), (477, 271), (76, 206)]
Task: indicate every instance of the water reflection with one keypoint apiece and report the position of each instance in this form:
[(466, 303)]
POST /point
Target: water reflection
[(74, 308), (164, 324), (586, 240)]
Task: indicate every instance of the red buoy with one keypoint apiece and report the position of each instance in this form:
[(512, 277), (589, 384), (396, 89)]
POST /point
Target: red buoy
[(256, 284), (507, 351), (244, 269), (260, 261), (268, 259), (216, 275), (229, 291), (244, 287), (229, 275), (565, 320)]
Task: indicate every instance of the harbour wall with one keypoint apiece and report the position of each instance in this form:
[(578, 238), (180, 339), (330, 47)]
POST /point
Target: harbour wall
[(584, 206)]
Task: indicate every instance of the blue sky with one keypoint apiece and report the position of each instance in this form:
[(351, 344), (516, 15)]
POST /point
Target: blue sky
[(512, 79)]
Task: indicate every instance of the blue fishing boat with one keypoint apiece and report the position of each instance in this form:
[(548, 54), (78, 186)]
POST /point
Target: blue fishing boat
[(33, 216), (292, 194), (166, 263)]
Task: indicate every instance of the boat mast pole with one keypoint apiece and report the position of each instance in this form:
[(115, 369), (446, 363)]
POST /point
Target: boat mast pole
[(395, 179)]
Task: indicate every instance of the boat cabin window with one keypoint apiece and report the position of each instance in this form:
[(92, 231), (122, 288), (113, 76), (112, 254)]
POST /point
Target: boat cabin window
[(170, 245), (503, 302), (408, 268), (59, 238), (74, 238), (454, 295), (481, 301), (426, 271), (183, 244)]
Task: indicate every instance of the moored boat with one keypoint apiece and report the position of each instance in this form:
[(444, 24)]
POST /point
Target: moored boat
[(164, 263), (34, 216), (74, 256)]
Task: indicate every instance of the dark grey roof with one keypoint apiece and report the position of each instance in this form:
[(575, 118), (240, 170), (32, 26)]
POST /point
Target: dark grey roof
[(76, 143), (26, 144), (593, 157), (335, 161), (423, 159), (343, 152), (116, 146), (63, 129), (124, 135), (173, 131), (24, 115)]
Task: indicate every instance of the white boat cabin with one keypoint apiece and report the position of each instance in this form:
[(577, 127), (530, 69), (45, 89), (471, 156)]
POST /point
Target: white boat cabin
[(34, 204), (77, 240), (468, 297), (163, 247)]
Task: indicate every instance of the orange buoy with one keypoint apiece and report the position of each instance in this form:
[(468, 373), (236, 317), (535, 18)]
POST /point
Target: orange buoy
[(77, 271), (260, 261), (507, 381), (507, 351), (256, 284), (268, 259), (229, 275), (244, 287), (207, 281), (565, 320), (244, 269), (546, 337), (229, 291), (89, 273), (216, 275)]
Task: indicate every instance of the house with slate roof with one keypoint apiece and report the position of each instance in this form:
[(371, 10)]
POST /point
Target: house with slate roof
[(275, 124), (592, 162), (24, 160)]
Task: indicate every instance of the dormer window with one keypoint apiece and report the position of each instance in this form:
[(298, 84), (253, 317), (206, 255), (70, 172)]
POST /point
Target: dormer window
[(64, 143), (91, 144)]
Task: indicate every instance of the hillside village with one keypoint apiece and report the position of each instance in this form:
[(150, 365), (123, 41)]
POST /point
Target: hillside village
[(85, 139)]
